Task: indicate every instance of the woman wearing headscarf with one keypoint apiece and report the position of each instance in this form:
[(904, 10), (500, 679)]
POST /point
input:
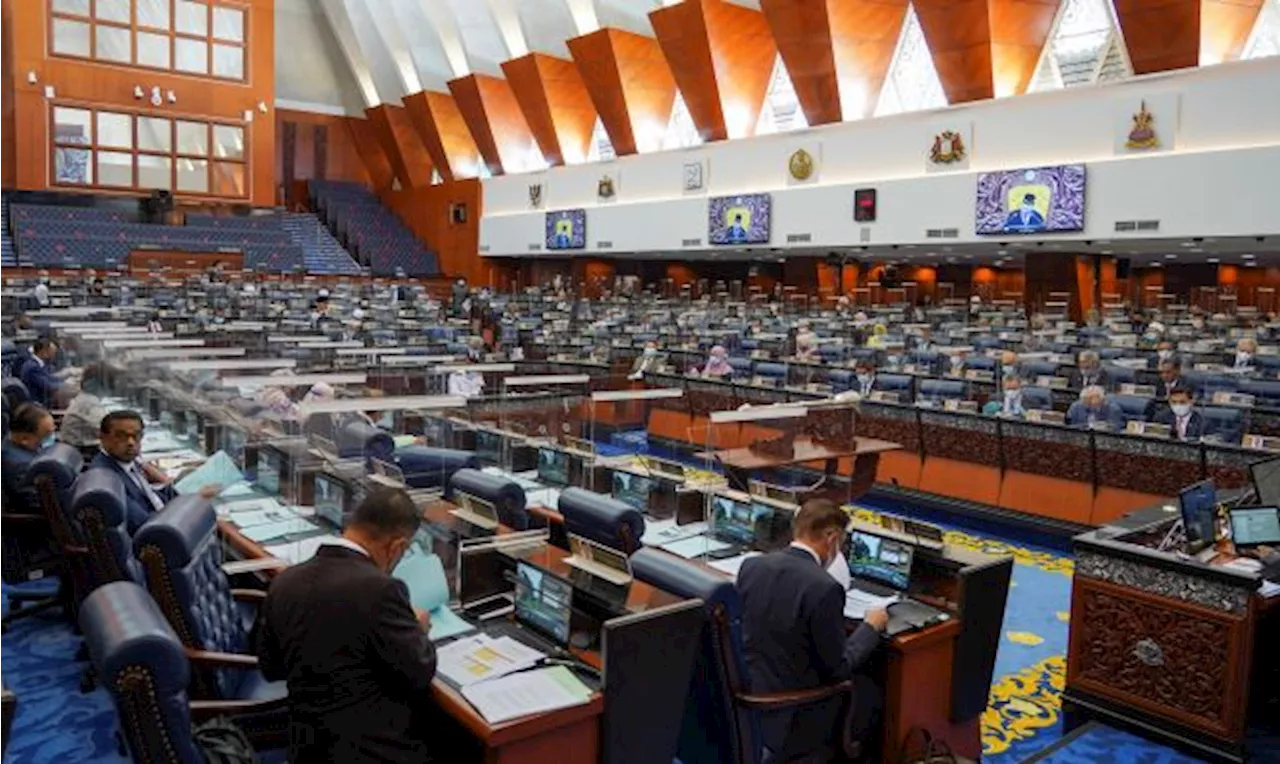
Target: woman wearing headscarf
[(717, 363)]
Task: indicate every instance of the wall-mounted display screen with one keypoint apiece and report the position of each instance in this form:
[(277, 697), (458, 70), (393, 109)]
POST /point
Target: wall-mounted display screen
[(567, 229), (1038, 200), (741, 219)]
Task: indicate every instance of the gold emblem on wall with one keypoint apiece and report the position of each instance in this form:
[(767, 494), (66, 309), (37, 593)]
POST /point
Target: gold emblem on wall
[(535, 195), (801, 165), (1143, 134), (605, 188), (948, 147)]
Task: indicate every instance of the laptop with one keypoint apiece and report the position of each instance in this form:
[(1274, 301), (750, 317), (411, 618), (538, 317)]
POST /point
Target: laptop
[(1252, 527), (632, 489), (663, 468), (774, 492), (543, 610), (553, 467), (475, 510), (331, 499)]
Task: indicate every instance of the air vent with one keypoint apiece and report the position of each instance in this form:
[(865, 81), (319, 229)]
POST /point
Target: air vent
[(691, 242), (604, 245), (864, 234), (1126, 225), (799, 238), (933, 233), (535, 247), (484, 247), (1148, 225), (950, 233)]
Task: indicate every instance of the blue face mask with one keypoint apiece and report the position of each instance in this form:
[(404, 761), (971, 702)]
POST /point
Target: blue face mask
[(49, 441)]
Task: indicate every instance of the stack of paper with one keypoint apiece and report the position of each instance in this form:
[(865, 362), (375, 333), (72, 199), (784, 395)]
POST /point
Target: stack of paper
[(295, 552), (525, 693), (270, 531), (218, 470), (475, 659), (733, 564), (429, 591), (693, 547)]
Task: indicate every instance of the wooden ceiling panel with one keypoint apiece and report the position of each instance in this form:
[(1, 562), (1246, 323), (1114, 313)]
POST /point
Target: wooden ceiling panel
[(444, 133), (1161, 35), (393, 131), (493, 116), (958, 33), (555, 104), (369, 147), (1019, 31), (1224, 28), (802, 31), (722, 56), (864, 35), (630, 85)]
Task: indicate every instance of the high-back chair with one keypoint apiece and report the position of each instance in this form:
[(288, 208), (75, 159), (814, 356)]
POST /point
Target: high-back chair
[(506, 496), (43, 539), (99, 511), (602, 519), (1224, 423), (1136, 408)]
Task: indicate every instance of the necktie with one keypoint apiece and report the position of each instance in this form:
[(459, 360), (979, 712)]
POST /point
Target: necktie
[(1182, 427), (157, 503)]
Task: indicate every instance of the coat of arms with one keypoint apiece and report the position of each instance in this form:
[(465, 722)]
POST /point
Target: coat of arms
[(1143, 135), (535, 195), (948, 147), (605, 188), (801, 165)]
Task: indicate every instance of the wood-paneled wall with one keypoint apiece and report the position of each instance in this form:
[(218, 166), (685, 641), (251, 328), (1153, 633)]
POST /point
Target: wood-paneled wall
[(27, 33), (316, 146), (428, 212)]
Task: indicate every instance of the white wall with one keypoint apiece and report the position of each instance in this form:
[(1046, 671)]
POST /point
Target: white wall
[(311, 72), (1218, 172)]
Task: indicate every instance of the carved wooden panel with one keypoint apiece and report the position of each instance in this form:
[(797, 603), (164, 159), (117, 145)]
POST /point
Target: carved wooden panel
[(630, 85), (1166, 657), (1160, 34), (1145, 473), (902, 431), (444, 134), (556, 105), (493, 115), (1224, 28), (985, 48), (1039, 457), (370, 149)]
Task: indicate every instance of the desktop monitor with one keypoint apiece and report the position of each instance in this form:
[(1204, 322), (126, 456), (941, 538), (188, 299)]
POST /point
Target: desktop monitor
[(488, 447), (1255, 526), (632, 489), (553, 466), (879, 559), (330, 499), (1266, 481), (269, 469), (735, 520), (1199, 505), (544, 602)]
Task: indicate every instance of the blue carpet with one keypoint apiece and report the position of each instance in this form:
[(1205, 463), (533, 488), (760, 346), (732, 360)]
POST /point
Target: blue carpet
[(54, 723), (1098, 742)]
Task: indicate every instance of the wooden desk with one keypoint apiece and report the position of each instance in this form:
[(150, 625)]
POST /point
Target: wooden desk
[(915, 666), (740, 462)]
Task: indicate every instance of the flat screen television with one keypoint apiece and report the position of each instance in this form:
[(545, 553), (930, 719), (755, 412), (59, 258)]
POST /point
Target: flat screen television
[(1035, 200), (567, 229), (739, 219)]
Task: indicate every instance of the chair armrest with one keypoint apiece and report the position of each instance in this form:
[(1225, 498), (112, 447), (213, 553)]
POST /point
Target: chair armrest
[(22, 518), (778, 700), (203, 710), (248, 595), (222, 660)]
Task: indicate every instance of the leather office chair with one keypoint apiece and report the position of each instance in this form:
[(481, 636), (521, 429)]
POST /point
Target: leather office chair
[(1226, 424), (98, 513), (145, 669), (981, 363), (506, 496), (1110, 354), (1136, 408), (1265, 392), (602, 519), (741, 366), (941, 389), (894, 383), (1120, 375), (39, 539), (427, 467), (722, 715), (1267, 365), (1034, 369), (181, 554), (358, 438), (769, 370), (840, 379), (1206, 383), (15, 390), (1040, 398)]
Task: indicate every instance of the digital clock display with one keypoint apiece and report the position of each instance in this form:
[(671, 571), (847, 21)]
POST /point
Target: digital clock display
[(864, 205)]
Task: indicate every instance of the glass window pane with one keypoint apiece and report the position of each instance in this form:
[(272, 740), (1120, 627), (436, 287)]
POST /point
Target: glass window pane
[(191, 55), (154, 172), (154, 134), (153, 50), (153, 13), (115, 168), (77, 7), (191, 18), (228, 142), (113, 44), (112, 10), (71, 125), (193, 138), (70, 38), (115, 130), (193, 175), (71, 166), (228, 179), (228, 23), (228, 61)]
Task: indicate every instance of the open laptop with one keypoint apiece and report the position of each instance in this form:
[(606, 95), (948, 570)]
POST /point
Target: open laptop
[(1266, 481), (881, 571), (1252, 527), (331, 499), (630, 488), (543, 610)]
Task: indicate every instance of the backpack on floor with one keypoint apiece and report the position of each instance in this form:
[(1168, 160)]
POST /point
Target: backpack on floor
[(222, 742)]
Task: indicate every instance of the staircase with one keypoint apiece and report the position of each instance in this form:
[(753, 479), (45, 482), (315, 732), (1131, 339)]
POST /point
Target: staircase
[(7, 257), (321, 252)]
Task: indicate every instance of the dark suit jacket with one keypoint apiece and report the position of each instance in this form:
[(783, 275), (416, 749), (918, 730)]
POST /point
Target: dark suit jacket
[(19, 493), (137, 505), (793, 626), (40, 382), (1111, 413), (358, 665), (1100, 377), (1195, 424), (1163, 388)]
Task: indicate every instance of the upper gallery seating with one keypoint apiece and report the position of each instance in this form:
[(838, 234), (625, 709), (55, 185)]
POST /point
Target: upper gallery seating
[(320, 252), (370, 231), (7, 257)]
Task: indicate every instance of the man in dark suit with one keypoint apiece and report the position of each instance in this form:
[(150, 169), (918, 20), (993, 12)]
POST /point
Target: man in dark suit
[(1089, 372), (340, 630), (1184, 422), (794, 635), (31, 430), (1094, 410), (37, 374), (1170, 378), (146, 489)]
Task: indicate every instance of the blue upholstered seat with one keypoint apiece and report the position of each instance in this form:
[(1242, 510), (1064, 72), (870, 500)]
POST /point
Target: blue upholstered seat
[(1206, 383), (1033, 369), (741, 366), (840, 379), (98, 514), (602, 519), (1120, 375), (427, 467), (980, 363), (1225, 424), (771, 370), (358, 437), (941, 389), (895, 383), (505, 495), (1265, 392), (15, 391), (1136, 408), (1037, 398)]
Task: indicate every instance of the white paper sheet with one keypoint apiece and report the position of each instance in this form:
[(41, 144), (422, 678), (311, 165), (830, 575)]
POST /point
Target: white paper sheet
[(525, 693), (479, 658), (693, 547)]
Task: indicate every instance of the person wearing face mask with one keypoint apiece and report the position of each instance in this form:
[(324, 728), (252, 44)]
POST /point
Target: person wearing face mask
[(1010, 402), (1164, 352), (1184, 422), (865, 374), (354, 653), (1246, 349), (1170, 378), (647, 362), (1093, 410), (1089, 372), (31, 430), (794, 635), (718, 363)]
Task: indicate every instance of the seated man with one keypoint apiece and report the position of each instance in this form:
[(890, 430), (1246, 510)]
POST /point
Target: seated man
[(340, 631), (85, 411), (1010, 403), (31, 431), (146, 488), (648, 361), (1171, 378), (1095, 410), (807, 345), (37, 374), (1089, 372), (865, 375), (1246, 349), (794, 635), (1184, 422)]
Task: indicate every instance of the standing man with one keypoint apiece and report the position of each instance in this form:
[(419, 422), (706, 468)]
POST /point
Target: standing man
[(340, 630)]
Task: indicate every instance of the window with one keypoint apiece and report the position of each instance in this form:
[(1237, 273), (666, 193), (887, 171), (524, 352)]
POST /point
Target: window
[(114, 149), (201, 37), (912, 83)]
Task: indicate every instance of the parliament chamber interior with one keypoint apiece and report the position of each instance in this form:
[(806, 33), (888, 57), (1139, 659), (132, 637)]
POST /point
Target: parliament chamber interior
[(435, 380)]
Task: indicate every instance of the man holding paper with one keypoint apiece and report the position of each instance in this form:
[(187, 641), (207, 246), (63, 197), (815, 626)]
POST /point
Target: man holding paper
[(340, 629)]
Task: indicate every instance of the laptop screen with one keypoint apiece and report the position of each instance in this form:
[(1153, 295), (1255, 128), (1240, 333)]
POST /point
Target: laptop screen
[(268, 478), (544, 602), (632, 489), (1199, 505), (233, 443), (1254, 526), (331, 499), (553, 466), (488, 447), (879, 559), (735, 520)]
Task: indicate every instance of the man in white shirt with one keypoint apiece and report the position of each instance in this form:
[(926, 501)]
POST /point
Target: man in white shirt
[(42, 293)]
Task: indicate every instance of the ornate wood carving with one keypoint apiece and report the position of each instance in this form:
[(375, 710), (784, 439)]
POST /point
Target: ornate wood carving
[(1040, 457)]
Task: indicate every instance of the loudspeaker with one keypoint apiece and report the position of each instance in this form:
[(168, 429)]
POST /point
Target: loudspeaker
[(459, 213), (1122, 268)]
